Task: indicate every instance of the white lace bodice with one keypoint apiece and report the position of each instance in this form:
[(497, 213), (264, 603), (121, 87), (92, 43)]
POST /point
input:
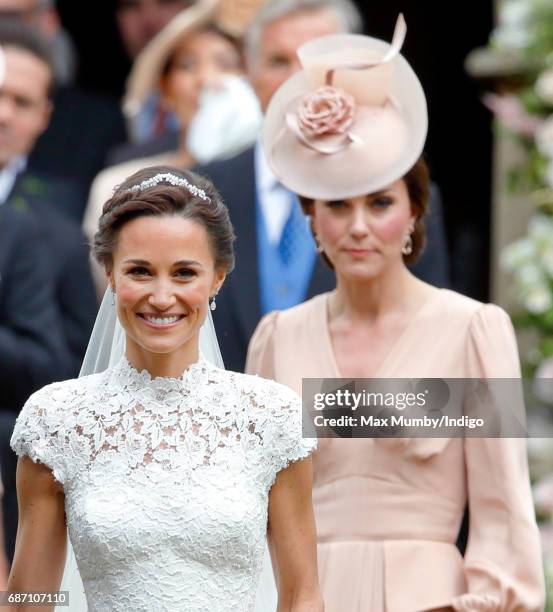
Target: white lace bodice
[(166, 480)]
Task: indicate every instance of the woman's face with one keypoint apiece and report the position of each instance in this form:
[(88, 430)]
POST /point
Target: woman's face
[(163, 275), (364, 236), (201, 59)]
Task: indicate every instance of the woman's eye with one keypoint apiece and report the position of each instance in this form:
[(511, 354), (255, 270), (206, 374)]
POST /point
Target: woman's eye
[(138, 271), (185, 64), (185, 273), (382, 202), (336, 204)]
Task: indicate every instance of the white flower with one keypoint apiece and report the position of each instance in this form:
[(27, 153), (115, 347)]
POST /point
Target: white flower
[(512, 31), (544, 138), (538, 300), (530, 276), (540, 227), (544, 86), (513, 12), (518, 254), (547, 260)]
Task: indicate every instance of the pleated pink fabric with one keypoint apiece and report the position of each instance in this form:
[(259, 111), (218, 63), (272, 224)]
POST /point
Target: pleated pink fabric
[(388, 511)]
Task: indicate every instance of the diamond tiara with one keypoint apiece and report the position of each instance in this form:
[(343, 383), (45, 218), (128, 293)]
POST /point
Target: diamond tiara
[(174, 180)]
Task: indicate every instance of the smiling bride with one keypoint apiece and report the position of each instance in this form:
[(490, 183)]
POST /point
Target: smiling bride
[(168, 472)]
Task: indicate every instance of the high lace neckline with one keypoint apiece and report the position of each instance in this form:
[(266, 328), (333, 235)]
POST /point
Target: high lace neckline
[(137, 379)]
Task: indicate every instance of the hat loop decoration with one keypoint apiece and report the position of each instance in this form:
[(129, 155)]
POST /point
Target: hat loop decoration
[(329, 110)]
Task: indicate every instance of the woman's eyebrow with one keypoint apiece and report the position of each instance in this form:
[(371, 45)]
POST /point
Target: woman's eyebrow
[(182, 262)]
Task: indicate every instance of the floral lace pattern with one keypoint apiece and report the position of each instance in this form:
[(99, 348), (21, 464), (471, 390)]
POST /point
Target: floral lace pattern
[(166, 480)]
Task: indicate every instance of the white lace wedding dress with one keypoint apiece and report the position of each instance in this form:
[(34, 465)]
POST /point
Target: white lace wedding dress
[(166, 481)]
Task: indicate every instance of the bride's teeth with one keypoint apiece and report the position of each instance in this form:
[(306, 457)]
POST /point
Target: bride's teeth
[(162, 321)]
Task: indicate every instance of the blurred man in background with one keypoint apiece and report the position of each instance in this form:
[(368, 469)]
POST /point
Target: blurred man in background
[(25, 109), (140, 20), (264, 213), (83, 127)]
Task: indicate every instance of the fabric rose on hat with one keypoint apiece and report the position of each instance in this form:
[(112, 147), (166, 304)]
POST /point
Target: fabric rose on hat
[(327, 111)]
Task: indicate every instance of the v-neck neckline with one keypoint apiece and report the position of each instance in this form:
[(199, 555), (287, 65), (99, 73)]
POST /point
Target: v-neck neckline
[(324, 324)]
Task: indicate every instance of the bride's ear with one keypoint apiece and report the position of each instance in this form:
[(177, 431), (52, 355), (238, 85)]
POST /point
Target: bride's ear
[(218, 281), (110, 277)]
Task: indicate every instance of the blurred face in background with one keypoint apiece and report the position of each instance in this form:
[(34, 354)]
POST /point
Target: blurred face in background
[(140, 20), (35, 12), (24, 104), (275, 59), (200, 60)]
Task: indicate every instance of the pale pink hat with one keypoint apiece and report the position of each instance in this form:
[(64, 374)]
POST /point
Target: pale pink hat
[(351, 122)]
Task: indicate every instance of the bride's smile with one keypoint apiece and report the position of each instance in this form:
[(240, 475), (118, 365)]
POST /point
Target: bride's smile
[(163, 275)]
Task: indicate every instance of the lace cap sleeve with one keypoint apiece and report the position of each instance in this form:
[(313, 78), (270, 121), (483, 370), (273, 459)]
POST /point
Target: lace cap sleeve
[(38, 432), (279, 424)]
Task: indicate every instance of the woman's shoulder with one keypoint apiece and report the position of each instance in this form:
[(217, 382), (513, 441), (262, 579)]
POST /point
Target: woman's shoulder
[(258, 391), (454, 304), (61, 393), (297, 315)]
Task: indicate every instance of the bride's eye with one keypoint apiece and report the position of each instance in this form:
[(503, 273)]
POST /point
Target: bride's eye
[(138, 271), (185, 273)]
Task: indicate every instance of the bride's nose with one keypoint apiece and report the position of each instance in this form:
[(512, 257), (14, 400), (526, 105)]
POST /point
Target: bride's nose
[(162, 296)]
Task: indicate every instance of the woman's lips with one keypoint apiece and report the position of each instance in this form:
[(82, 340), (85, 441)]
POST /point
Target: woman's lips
[(360, 252), (156, 322)]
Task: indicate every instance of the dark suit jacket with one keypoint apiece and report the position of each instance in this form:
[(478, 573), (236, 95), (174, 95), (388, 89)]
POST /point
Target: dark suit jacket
[(32, 347), (67, 255), (74, 148), (238, 304), (33, 351)]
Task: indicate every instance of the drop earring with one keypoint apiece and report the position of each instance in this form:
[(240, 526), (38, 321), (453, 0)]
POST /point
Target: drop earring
[(408, 245), (212, 303), (113, 294), (318, 246)]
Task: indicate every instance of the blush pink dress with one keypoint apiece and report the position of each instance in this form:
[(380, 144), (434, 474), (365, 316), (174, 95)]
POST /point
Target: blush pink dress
[(388, 512)]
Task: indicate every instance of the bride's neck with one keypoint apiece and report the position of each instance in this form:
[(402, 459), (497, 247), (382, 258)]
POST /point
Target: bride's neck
[(166, 365)]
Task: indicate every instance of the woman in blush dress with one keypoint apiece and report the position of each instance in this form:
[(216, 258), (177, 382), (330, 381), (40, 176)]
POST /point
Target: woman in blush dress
[(347, 134), (169, 471)]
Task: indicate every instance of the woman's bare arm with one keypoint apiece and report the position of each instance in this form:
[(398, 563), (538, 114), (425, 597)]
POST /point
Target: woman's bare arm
[(293, 540), (40, 545)]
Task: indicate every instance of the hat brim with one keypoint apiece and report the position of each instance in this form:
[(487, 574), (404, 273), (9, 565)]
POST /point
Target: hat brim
[(388, 144)]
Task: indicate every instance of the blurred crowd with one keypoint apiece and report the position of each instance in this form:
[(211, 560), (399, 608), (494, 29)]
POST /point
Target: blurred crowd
[(202, 75)]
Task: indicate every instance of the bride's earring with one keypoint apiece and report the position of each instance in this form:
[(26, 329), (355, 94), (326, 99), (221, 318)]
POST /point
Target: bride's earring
[(113, 294), (212, 303)]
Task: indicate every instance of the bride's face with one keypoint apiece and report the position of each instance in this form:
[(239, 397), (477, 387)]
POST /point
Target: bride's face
[(163, 275), (364, 236)]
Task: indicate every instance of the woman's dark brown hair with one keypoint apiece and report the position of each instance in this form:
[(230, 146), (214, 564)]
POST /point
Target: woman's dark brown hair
[(165, 199), (417, 181)]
